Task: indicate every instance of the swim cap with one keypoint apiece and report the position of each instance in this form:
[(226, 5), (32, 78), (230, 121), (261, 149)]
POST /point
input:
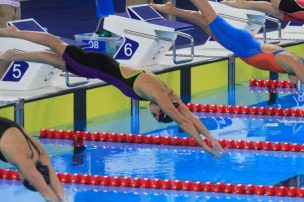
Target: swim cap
[(163, 117), (44, 171)]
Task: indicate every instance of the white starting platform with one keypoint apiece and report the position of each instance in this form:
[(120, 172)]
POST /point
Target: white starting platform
[(28, 80), (144, 44), (22, 75), (147, 36)]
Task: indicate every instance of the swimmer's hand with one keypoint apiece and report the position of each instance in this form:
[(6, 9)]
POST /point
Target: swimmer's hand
[(63, 198), (215, 146), (234, 3)]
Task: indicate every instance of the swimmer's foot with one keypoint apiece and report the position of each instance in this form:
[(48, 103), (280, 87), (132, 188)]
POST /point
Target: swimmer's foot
[(7, 55), (167, 8), (235, 3), (7, 31)]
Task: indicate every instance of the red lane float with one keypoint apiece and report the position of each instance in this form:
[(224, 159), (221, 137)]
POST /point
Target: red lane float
[(166, 184), (270, 83), (228, 109), (80, 136)]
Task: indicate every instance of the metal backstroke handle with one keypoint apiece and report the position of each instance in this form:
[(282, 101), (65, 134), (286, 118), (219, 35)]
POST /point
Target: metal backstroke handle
[(279, 28), (190, 45), (76, 84)]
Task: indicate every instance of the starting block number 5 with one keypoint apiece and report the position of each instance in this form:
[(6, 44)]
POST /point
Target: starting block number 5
[(16, 71), (127, 50)]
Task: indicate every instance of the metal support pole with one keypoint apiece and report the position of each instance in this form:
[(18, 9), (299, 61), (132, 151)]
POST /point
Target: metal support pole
[(272, 95), (264, 33), (231, 80), (19, 112), (134, 116)]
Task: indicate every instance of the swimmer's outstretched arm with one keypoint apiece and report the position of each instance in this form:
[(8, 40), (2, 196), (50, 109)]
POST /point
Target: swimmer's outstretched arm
[(54, 181), (27, 168), (166, 106), (262, 6), (200, 127), (36, 56)]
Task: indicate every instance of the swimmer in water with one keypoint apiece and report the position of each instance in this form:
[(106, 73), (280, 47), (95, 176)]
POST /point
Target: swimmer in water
[(263, 56), (165, 105), (34, 166)]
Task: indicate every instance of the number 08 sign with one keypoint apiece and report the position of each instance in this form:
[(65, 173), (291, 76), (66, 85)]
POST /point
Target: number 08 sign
[(16, 71)]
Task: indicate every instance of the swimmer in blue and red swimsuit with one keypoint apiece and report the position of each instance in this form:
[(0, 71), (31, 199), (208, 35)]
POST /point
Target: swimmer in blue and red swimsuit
[(290, 10), (263, 56), (135, 83), (31, 160)]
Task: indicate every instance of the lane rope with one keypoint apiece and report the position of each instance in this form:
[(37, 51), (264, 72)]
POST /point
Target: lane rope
[(79, 137), (253, 110), (151, 183), (270, 83)]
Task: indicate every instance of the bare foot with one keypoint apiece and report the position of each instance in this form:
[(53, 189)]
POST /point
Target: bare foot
[(7, 55), (167, 8), (234, 3), (6, 32)]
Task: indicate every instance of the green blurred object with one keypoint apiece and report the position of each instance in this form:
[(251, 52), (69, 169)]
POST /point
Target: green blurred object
[(104, 33)]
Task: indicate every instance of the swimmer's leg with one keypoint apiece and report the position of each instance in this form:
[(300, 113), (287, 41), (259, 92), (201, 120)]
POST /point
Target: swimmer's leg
[(262, 6), (46, 39), (189, 15), (239, 41), (37, 56)]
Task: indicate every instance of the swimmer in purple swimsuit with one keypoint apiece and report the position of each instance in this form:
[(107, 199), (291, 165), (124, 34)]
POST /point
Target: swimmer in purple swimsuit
[(290, 10), (165, 105)]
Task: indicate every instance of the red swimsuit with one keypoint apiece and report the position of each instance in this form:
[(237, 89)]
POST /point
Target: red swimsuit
[(293, 10), (265, 61)]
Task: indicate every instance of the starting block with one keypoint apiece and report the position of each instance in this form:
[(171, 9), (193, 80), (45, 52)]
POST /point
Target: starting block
[(144, 43), (23, 75), (147, 36)]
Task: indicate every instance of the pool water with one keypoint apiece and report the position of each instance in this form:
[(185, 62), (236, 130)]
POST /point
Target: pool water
[(181, 162)]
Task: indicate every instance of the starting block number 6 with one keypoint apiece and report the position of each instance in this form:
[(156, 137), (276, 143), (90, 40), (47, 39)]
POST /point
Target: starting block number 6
[(127, 50)]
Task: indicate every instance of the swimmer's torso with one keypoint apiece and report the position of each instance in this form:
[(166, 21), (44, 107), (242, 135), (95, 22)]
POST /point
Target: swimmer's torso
[(5, 124), (101, 66)]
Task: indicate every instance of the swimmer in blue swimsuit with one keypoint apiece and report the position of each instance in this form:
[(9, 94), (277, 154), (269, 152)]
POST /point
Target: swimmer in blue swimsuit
[(135, 83), (31, 160), (263, 56)]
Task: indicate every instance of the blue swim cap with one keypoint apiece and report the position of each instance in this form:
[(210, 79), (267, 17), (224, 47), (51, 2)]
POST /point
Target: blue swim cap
[(44, 171)]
